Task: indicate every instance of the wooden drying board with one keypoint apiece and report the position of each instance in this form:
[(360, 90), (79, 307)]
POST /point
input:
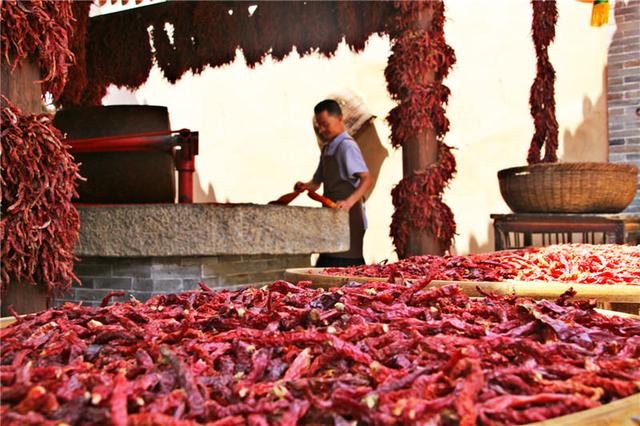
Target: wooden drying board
[(535, 289), (617, 413), (6, 321), (321, 280)]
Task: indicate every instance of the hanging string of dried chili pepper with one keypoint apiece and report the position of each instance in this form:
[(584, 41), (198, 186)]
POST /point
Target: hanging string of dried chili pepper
[(320, 18), (77, 80), (103, 61), (41, 29), (213, 34), (165, 54), (39, 226), (107, 63), (184, 39), (541, 99), (349, 20), (208, 34), (417, 198), (247, 34), (276, 21), (360, 20)]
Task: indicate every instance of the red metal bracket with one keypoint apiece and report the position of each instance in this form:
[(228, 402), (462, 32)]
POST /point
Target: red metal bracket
[(183, 144)]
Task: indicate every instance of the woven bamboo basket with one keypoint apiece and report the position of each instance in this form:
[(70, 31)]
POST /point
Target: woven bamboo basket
[(622, 412), (569, 187)]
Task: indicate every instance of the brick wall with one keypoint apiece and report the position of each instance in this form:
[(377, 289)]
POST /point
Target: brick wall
[(624, 87), (145, 277)]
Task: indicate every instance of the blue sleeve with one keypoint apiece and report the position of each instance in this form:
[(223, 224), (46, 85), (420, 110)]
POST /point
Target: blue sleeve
[(353, 162), (317, 176)]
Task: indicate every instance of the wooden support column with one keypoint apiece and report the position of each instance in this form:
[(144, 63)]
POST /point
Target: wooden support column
[(418, 153), (20, 87)]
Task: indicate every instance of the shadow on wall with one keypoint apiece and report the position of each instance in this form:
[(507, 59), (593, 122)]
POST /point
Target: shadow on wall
[(487, 246), (579, 145), (200, 194), (623, 124)]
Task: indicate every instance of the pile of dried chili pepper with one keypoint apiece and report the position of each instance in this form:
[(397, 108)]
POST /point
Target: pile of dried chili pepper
[(42, 29), (376, 353), (579, 263), (39, 225), (472, 267), (575, 263), (416, 54)]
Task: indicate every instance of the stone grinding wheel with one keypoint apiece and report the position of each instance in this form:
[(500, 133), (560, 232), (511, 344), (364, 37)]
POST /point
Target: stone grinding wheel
[(120, 177)]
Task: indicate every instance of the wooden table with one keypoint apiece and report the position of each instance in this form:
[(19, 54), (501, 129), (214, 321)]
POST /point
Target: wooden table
[(518, 230)]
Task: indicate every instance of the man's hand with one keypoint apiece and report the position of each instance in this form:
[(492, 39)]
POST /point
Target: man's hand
[(345, 204)]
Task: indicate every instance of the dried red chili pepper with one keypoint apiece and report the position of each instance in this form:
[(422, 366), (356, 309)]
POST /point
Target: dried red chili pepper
[(41, 29), (542, 96), (574, 263), (77, 81), (394, 355), (417, 198), (205, 34), (39, 225)]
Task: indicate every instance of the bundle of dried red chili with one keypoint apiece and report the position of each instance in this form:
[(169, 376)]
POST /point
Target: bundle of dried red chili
[(574, 263), (416, 54), (209, 33), (77, 82), (542, 97), (39, 225), (40, 28), (376, 353)]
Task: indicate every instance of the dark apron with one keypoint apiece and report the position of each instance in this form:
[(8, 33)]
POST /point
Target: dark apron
[(338, 189)]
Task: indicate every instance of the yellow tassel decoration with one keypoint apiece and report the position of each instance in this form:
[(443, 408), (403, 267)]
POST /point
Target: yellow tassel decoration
[(600, 13)]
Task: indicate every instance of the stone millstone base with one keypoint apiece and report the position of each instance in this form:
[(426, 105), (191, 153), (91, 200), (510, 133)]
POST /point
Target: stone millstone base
[(167, 230), (145, 277)]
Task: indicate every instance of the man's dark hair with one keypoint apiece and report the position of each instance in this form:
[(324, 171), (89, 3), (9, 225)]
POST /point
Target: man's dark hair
[(328, 105)]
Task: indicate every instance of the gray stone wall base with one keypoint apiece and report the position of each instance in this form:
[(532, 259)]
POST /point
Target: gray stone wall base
[(145, 277)]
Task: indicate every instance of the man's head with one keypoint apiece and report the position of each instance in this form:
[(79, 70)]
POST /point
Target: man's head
[(329, 119)]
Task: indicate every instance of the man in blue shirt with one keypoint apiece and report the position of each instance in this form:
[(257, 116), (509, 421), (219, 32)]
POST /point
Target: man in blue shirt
[(345, 177)]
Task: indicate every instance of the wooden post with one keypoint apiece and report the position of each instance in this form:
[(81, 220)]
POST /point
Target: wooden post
[(24, 299), (418, 153), (20, 87)]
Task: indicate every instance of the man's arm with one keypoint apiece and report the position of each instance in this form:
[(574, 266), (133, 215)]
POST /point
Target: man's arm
[(363, 186), (314, 183)]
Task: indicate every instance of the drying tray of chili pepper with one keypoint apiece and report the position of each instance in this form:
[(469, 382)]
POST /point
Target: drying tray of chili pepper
[(376, 353), (536, 289), (575, 263), (609, 273)]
